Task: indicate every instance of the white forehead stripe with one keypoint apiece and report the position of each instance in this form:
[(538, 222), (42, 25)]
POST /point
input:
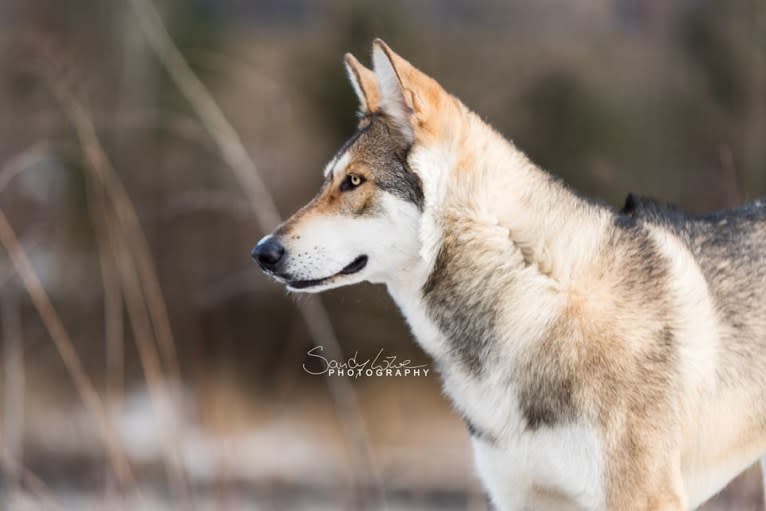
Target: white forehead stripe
[(337, 164)]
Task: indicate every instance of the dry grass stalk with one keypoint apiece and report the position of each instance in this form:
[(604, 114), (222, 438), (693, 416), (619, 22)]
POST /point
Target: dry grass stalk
[(65, 347), (239, 161), (30, 480), (129, 249), (102, 170), (121, 238), (161, 397), (25, 160), (13, 384)]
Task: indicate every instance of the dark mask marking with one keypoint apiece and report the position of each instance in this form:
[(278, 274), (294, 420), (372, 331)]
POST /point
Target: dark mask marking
[(378, 146)]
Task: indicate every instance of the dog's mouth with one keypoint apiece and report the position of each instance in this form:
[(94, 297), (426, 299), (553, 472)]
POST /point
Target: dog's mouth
[(354, 266)]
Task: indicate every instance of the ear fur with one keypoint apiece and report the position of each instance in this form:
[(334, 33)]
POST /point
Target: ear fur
[(365, 84), (410, 97), (396, 101)]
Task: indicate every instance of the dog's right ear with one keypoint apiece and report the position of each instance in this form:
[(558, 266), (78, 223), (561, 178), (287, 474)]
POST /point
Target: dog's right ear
[(365, 84)]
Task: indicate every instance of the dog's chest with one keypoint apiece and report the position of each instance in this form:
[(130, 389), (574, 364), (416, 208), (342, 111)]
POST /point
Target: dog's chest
[(557, 466), (549, 467)]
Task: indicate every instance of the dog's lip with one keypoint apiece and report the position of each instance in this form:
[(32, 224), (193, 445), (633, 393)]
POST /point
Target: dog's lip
[(354, 266)]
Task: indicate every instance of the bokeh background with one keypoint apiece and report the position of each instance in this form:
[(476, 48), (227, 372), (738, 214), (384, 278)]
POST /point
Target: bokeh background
[(146, 362)]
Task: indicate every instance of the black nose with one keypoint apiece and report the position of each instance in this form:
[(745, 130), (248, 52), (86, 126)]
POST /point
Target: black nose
[(268, 252)]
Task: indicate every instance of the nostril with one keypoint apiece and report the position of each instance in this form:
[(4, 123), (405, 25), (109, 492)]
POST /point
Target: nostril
[(273, 254), (268, 252)]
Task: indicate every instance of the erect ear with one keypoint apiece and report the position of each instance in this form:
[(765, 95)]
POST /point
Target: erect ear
[(408, 95), (365, 84)]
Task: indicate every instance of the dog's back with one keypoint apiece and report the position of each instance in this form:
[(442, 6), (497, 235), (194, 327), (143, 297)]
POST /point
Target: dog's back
[(730, 248)]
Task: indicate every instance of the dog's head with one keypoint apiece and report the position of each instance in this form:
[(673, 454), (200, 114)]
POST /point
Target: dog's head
[(364, 224)]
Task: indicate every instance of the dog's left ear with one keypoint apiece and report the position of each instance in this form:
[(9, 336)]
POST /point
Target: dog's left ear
[(365, 84), (408, 96)]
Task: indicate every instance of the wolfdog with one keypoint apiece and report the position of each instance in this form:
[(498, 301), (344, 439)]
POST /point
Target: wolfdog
[(601, 359)]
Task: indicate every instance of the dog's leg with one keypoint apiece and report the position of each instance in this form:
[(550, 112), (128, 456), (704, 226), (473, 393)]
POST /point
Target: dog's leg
[(666, 499), (763, 478), (670, 495), (646, 477), (668, 503), (507, 486)]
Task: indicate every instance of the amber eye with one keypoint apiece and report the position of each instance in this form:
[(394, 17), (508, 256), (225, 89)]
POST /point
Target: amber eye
[(350, 182)]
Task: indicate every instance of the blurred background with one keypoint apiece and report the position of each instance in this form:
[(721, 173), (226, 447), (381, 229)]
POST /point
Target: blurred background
[(145, 361)]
